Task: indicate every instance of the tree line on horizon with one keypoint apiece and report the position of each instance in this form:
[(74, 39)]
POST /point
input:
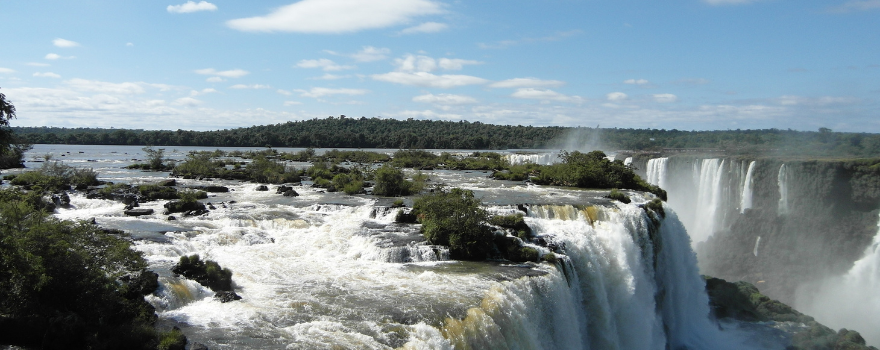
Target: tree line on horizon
[(344, 132)]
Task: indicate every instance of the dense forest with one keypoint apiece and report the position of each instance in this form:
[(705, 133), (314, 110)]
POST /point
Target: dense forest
[(343, 132)]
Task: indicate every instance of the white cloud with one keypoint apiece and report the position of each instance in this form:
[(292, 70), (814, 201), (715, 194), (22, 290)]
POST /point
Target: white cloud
[(203, 92), (636, 82), (445, 99), (254, 86), (427, 27), (38, 64), (129, 44), (105, 87), (54, 56), (328, 76), (191, 6), (426, 114), (526, 82), (284, 92), (729, 2), (187, 102), (337, 16), (455, 63), (508, 43), (616, 96), (790, 100), (856, 5), (321, 92), (6, 70), (323, 63), (233, 73), (292, 103), (46, 75), (546, 95), (215, 80), (426, 79), (665, 98), (370, 54), (412, 63), (64, 43)]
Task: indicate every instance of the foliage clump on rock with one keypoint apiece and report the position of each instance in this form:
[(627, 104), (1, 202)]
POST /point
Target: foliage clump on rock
[(207, 272), (743, 301), (593, 170), (69, 284), (455, 218), (55, 176), (618, 195)]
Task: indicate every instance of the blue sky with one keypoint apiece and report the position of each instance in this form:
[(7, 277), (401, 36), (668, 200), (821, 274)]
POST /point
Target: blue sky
[(677, 64)]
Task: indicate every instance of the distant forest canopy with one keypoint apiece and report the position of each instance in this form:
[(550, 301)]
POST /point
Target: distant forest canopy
[(343, 132)]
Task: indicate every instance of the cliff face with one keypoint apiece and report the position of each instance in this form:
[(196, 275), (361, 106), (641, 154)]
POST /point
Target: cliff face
[(814, 217)]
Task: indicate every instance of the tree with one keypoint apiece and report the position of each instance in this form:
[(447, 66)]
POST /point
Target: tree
[(456, 219), (7, 112)]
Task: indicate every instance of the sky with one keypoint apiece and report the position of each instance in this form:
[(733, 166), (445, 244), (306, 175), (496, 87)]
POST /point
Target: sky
[(218, 64)]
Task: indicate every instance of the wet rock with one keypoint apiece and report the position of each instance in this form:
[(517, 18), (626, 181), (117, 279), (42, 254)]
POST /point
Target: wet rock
[(262, 188), (290, 193), (168, 183), (139, 284), (61, 200), (282, 189), (183, 207), (138, 212), (226, 296), (215, 189), (198, 346), (171, 218)]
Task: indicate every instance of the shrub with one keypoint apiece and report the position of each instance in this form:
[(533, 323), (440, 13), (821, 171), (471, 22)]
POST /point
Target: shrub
[(456, 219), (172, 340), (61, 282), (390, 182), (617, 195), (514, 222), (208, 273)]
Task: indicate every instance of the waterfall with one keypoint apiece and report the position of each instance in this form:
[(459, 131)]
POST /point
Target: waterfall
[(538, 158), (628, 161), (622, 295), (782, 182), (709, 199), (657, 171), (849, 301), (746, 197), (757, 243)]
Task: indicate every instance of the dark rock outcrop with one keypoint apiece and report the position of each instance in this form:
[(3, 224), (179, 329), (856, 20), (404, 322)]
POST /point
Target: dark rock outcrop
[(743, 301), (138, 212)]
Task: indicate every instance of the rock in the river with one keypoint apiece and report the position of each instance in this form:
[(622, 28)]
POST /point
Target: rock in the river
[(226, 296), (138, 212), (290, 193), (169, 182), (262, 188)]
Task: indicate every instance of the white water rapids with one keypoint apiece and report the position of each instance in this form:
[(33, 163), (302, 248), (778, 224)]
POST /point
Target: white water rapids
[(330, 271)]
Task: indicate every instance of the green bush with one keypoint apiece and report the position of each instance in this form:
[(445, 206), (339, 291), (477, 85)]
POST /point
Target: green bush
[(391, 182), (172, 340), (617, 195), (208, 273), (455, 219), (56, 176), (514, 222), (61, 281)]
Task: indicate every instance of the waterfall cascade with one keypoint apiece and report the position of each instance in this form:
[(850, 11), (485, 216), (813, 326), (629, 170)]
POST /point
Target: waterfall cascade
[(782, 181), (657, 171), (849, 301), (748, 186)]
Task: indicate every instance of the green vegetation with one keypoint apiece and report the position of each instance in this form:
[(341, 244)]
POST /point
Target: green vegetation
[(188, 203), (69, 284), (593, 170), (155, 160), (260, 169), (12, 148), (390, 181), (344, 132), (208, 273), (172, 340), (55, 176), (742, 301), (617, 195), (455, 219), (513, 222)]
